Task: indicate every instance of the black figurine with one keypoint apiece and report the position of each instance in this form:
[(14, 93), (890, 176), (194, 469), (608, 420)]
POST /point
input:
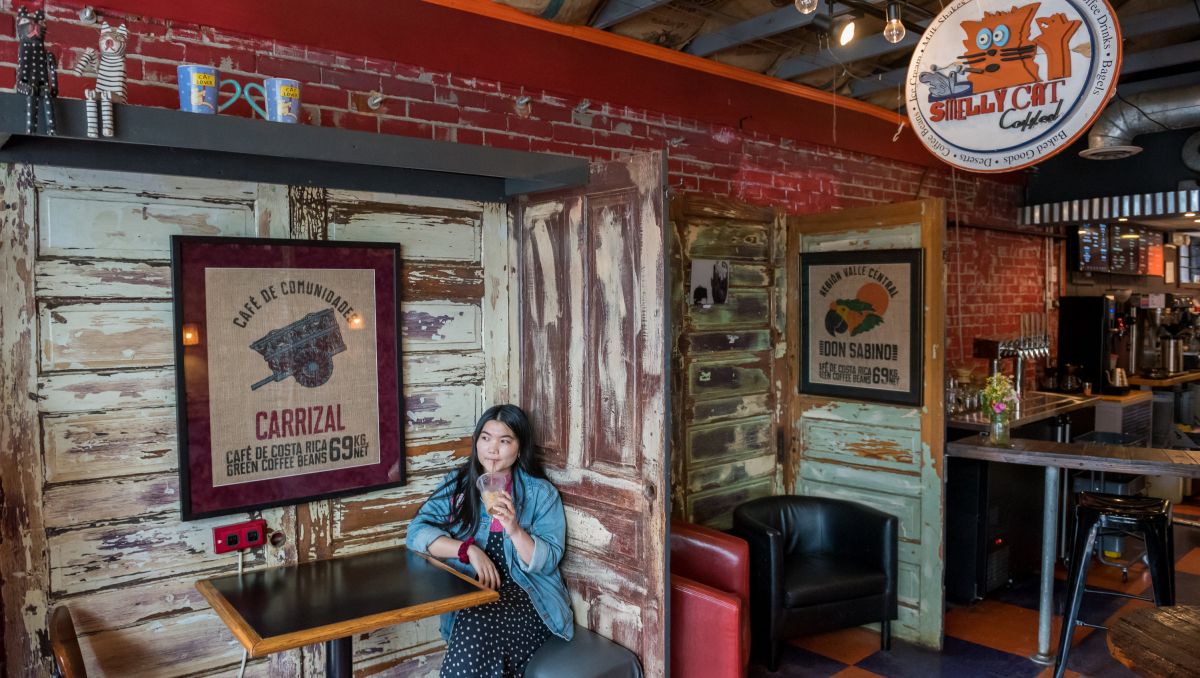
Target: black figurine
[(37, 69)]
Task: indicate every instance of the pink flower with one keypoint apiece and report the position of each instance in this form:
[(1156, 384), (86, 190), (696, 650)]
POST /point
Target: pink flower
[(999, 407)]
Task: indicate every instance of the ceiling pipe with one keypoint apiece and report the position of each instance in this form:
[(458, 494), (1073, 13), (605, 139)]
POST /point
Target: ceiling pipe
[(1111, 137)]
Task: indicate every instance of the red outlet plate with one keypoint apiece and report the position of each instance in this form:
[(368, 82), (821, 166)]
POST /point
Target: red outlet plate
[(239, 536)]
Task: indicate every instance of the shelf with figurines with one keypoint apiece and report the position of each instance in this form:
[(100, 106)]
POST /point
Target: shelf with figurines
[(37, 127)]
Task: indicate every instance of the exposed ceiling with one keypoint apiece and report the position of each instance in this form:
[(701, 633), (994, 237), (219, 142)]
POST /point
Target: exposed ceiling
[(1162, 38)]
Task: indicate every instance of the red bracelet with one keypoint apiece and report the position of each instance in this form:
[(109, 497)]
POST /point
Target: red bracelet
[(462, 550)]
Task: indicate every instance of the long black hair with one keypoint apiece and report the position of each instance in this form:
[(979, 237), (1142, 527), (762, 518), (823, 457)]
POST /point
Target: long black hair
[(464, 496)]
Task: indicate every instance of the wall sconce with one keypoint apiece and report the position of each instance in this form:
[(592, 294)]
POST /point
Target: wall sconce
[(191, 334), (356, 322), (582, 106), (374, 101)]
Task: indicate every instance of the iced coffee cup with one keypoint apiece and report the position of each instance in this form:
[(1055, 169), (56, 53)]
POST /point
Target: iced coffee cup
[(491, 488)]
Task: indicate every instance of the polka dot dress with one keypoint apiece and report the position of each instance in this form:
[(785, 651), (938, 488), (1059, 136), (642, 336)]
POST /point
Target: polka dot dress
[(498, 639)]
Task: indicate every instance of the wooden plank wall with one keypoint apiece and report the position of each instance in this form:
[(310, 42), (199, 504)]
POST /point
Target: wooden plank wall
[(727, 449), (89, 465)]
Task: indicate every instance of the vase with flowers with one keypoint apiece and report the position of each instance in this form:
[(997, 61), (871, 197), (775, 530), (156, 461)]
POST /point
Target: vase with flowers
[(999, 400)]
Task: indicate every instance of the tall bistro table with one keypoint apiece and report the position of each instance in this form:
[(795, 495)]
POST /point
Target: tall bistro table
[(1088, 457), (281, 608)]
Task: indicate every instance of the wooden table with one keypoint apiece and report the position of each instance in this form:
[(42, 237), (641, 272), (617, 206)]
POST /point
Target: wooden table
[(1055, 456), (282, 608), (1158, 641), (1175, 380)]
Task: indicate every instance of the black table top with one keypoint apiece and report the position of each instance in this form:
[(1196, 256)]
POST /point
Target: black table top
[(325, 599)]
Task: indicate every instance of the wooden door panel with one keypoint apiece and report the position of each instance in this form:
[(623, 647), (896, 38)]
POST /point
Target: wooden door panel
[(881, 455), (725, 434), (591, 365)]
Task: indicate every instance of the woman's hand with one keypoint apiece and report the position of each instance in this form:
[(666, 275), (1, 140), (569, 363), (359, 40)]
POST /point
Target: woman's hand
[(504, 511), (485, 569)]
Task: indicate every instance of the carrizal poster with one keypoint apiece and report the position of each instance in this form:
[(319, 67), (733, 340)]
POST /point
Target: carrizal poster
[(288, 371), (295, 386), (862, 325)]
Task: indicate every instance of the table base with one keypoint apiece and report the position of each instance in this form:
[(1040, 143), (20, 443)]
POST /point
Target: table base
[(339, 656)]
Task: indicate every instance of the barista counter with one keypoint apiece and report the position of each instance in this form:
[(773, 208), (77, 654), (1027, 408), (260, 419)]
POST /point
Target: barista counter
[(1166, 382), (1035, 407)]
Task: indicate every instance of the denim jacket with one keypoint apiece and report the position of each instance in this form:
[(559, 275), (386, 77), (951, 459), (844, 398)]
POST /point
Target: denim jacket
[(541, 515)]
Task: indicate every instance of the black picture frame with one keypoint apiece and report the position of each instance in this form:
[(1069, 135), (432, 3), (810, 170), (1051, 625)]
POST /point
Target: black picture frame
[(376, 269), (842, 364)]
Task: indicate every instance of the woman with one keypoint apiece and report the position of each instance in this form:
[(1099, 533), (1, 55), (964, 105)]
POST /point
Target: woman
[(515, 550)]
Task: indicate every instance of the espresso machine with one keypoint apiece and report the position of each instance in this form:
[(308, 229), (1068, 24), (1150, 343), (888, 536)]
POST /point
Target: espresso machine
[(1161, 335)]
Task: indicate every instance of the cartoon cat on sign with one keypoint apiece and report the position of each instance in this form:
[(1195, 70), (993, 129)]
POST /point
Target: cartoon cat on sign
[(1000, 51)]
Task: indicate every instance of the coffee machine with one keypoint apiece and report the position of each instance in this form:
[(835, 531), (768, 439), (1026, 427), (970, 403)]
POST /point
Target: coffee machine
[(1163, 329), (1089, 330)]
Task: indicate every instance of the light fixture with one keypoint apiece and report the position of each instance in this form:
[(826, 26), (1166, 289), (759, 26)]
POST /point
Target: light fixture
[(1129, 236), (807, 6), (1196, 221), (1189, 214), (845, 31), (582, 106), (1122, 219), (893, 30), (191, 334), (356, 321)]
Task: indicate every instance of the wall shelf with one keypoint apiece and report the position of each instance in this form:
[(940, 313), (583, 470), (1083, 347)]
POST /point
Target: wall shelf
[(166, 141)]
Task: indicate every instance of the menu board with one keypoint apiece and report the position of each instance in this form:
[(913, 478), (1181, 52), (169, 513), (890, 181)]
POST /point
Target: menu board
[(1123, 249), (1154, 256), (1093, 247)]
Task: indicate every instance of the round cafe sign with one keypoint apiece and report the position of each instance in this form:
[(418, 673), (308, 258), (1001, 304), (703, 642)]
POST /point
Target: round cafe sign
[(996, 86)]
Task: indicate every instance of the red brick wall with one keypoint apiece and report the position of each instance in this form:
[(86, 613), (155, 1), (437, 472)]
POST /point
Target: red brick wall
[(708, 159), (993, 278)]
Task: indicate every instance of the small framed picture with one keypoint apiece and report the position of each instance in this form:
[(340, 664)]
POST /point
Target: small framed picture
[(710, 282), (861, 325)]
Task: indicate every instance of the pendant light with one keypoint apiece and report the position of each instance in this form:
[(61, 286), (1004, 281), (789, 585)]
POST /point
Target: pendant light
[(893, 30), (807, 6)]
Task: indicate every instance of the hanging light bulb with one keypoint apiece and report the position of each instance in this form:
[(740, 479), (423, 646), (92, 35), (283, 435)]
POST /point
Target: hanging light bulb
[(846, 32), (807, 6), (893, 30)]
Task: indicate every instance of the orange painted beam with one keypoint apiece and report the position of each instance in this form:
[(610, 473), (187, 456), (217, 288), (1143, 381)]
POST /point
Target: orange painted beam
[(495, 10)]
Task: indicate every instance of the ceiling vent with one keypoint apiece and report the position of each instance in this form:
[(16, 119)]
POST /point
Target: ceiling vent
[(1111, 137)]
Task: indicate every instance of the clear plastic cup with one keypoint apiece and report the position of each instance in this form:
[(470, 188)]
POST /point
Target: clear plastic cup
[(491, 488)]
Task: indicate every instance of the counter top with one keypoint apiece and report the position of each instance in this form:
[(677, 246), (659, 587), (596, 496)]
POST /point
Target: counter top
[(1129, 398), (1174, 380), (1086, 456), (1035, 406)]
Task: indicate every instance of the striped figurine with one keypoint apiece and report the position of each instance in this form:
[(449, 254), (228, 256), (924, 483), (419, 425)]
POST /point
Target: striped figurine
[(110, 78)]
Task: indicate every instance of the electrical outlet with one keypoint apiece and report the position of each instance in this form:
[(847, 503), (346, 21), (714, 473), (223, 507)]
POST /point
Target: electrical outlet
[(239, 536)]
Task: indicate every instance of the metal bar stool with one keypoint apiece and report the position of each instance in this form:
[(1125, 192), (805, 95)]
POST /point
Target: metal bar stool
[(1095, 512)]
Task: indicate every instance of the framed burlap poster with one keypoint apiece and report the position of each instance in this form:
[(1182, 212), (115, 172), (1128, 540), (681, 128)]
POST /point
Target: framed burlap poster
[(861, 334), (287, 371)]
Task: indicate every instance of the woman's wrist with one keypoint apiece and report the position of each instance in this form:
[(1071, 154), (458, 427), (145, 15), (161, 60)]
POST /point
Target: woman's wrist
[(464, 550)]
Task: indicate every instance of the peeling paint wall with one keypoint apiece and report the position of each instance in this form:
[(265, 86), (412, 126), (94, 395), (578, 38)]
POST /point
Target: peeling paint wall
[(89, 461), (726, 444)]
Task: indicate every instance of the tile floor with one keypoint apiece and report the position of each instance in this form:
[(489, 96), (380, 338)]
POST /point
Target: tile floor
[(996, 636)]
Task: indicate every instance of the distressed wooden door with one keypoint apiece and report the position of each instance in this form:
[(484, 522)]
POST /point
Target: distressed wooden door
[(885, 456), (592, 367), (725, 443)]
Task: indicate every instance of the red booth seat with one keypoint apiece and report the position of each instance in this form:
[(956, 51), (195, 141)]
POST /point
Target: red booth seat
[(710, 609)]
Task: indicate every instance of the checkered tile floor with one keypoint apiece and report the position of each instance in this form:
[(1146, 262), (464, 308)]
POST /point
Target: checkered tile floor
[(995, 637)]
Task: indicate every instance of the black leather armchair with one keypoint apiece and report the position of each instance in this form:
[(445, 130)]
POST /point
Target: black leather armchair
[(816, 564)]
